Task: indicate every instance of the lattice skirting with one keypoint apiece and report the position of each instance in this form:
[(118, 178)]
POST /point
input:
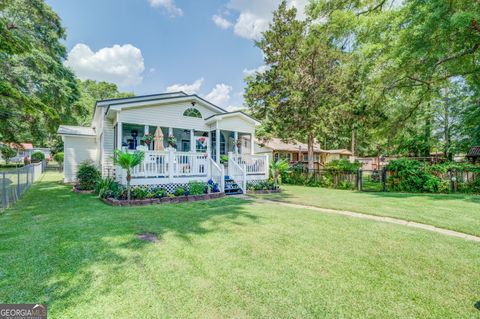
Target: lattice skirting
[(170, 188), (255, 181)]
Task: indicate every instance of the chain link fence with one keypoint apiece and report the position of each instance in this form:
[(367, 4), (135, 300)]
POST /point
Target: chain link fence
[(14, 182)]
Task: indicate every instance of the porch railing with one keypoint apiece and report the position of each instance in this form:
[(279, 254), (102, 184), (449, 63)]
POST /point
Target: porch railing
[(170, 164), (187, 164), (254, 164)]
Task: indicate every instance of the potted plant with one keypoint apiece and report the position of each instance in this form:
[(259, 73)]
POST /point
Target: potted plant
[(172, 141), (147, 138)]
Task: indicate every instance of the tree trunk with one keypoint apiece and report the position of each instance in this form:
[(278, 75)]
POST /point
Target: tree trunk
[(353, 141), (129, 177), (446, 127), (310, 152)]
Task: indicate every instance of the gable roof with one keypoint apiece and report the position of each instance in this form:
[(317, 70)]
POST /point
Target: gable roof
[(235, 113), (75, 130), (144, 100)]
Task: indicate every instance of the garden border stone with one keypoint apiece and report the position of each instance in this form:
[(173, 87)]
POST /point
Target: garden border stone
[(163, 200)]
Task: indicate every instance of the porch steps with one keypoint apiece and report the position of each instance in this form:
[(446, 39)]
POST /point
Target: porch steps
[(231, 187)]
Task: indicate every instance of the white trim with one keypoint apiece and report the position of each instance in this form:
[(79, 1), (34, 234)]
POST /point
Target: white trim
[(219, 117)]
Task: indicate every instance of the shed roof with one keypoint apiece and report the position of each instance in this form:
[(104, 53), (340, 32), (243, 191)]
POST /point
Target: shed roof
[(278, 144), (76, 130)]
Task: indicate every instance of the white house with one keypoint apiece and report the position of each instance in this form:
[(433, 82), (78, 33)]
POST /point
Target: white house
[(203, 133)]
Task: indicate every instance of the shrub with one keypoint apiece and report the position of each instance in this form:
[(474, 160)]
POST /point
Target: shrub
[(107, 187), (87, 176), (179, 191), (196, 188), (263, 185), (59, 157), (37, 157), (343, 165), (139, 193), (7, 153), (159, 193), (212, 186)]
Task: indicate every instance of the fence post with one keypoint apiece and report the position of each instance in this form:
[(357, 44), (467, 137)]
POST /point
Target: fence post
[(4, 191), (384, 179), (18, 183)]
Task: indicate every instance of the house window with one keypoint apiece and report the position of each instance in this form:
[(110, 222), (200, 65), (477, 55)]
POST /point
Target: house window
[(192, 112), (289, 157), (275, 157)]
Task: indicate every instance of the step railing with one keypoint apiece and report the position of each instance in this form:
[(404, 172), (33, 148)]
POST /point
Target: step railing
[(217, 173), (238, 173)]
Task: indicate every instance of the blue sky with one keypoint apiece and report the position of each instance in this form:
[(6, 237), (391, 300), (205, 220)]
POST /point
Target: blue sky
[(152, 46)]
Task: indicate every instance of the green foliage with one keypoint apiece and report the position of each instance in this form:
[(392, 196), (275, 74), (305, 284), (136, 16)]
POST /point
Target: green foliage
[(37, 90), (37, 157), (263, 185), (128, 161), (223, 159), (179, 191), (343, 165), (107, 187), (278, 169), (407, 175), (7, 153), (159, 193), (87, 176), (196, 188), (139, 192), (90, 92), (59, 157)]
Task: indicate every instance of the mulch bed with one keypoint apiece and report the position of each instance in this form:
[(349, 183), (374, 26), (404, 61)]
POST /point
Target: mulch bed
[(163, 200), (82, 191), (263, 191)]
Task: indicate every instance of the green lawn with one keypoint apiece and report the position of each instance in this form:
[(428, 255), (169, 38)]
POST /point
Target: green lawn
[(452, 211), (226, 258)]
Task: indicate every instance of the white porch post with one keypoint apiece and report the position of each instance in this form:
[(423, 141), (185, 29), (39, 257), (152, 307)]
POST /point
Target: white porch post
[(119, 135), (217, 144), (171, 164), (252, 143), (146, 129), (118, 170), (209, 153), (192, 141), (235, 137)]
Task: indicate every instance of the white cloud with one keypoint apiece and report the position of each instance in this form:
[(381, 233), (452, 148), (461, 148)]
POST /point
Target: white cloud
[(120, 64), (187, 88), (220, 95), (221, 22), (168, 5), (254, 16), (260, 69)]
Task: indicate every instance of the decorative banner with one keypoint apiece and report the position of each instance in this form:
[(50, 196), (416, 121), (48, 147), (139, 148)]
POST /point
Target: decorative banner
[(201, 143)]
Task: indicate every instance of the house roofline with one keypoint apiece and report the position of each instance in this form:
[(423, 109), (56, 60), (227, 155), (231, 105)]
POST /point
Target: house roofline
[(230, 114)]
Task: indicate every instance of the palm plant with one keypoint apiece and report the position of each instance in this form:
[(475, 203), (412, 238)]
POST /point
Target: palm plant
[(128, 161), (277, 169)]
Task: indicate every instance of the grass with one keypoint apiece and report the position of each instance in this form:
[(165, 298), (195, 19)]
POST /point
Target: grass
[(226, 258), (458, 212)]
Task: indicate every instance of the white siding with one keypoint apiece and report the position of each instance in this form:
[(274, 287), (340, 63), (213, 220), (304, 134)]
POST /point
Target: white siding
[(107, 150), (236, 123), (77, 149), (170, 115)]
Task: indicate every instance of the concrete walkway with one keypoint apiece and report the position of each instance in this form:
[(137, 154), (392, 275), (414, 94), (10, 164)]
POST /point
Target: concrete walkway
[(390, 220)]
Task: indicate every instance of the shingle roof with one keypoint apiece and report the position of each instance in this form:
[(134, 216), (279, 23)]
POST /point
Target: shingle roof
[(474, 151), (278, 144), (75, 130)]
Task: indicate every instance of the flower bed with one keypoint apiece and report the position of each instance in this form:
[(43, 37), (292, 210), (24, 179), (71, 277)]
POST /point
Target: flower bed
[(164, 200), (76, 189)]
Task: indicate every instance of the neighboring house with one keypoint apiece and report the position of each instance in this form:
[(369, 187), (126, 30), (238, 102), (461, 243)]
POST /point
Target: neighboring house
[(296, 152), (202, 133), (26, 150)]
